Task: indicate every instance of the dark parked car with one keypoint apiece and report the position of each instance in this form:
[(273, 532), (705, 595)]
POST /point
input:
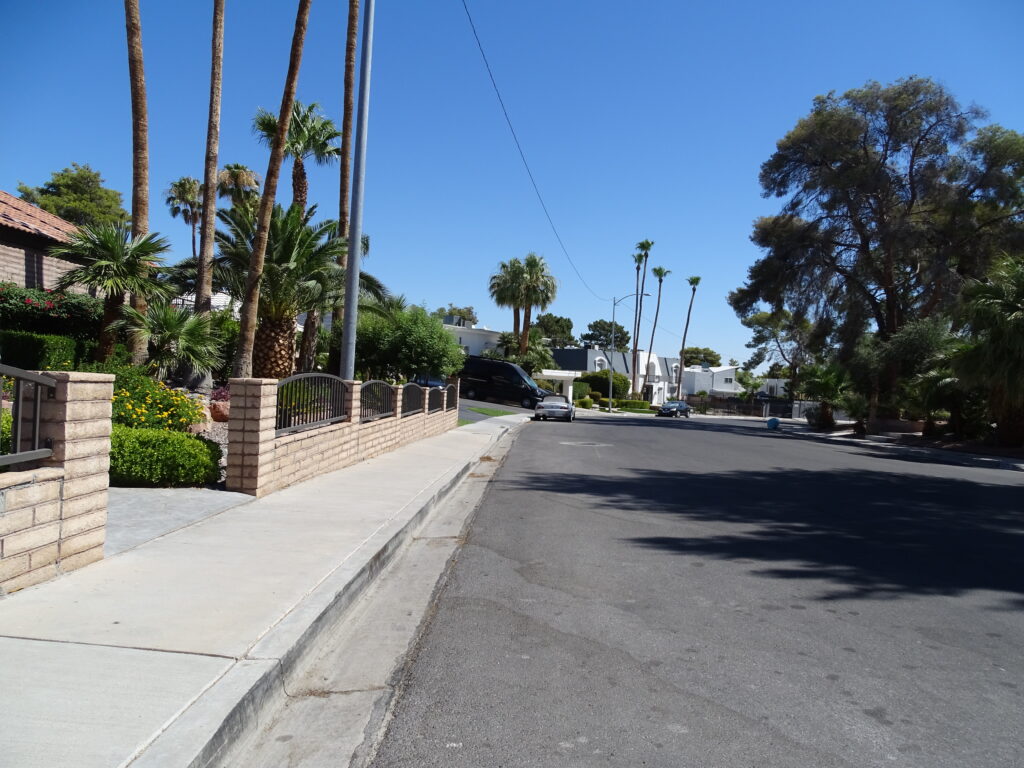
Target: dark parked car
[(674, 408), (428, 380), (485, 379)]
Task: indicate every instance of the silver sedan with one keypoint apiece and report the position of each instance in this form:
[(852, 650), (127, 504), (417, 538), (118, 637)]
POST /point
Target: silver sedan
[(554, 407)]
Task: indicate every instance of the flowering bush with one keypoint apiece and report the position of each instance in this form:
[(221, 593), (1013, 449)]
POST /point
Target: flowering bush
[(140, 401), (220, 394), (44, 311)]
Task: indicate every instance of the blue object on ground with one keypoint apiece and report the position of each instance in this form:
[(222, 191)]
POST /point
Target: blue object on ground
[(773, 423)]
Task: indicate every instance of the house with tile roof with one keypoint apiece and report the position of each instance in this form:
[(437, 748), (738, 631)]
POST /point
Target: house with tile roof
[(27, 233)]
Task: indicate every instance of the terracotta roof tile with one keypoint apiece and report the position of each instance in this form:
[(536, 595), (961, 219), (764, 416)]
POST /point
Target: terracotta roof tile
[(17, 214)]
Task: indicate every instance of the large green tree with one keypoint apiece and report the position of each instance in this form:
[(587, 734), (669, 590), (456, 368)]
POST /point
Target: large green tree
[(695, 355), (539, 289), (77, 194), (506, 289), (781, 339), (894, 196), (403, 343), (556, 328), (466, 313), (599, 333)]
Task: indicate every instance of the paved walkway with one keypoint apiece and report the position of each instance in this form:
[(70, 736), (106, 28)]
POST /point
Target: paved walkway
[(156, 656)]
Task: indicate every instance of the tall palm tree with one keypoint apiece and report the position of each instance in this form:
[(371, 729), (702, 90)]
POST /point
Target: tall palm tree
[(185, 199), (140, 142), (311, 135), (351, 40), (250, 303), (661, 273), (204, 288), (694, 281), (238, 183), (506, 287), (114, 263), (539, 288), (643, 253)]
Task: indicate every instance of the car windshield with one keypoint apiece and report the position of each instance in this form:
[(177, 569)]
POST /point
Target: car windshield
[(526, 376)]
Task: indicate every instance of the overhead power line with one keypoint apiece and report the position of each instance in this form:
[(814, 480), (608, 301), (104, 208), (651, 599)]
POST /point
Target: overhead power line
[(522, 155)]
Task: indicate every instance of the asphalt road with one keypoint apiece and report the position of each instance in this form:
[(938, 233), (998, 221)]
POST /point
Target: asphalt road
[(656, 592)]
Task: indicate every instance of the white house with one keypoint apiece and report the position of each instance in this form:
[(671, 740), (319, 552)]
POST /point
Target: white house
[(473, 340), (717, 380), (656, 375)]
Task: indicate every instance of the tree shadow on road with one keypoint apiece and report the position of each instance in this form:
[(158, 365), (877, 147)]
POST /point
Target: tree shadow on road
[(871, 533)]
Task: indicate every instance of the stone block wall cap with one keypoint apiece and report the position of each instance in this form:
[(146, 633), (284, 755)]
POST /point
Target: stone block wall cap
[(11, 479), (261, 382), (78, 377)]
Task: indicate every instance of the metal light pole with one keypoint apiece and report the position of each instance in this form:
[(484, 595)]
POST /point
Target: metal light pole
[(355, 229), (611, 364)]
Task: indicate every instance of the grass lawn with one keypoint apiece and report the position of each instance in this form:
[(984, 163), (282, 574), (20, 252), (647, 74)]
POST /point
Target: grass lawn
[(464, 422), (492, 412)]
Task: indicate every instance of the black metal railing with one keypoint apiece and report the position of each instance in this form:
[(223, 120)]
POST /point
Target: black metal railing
[(18, 444), (376, 400), (452, 400), (412, 399), (435, 400), (310, 400)]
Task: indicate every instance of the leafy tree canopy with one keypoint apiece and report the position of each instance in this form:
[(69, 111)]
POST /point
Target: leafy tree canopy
[(599, 333), (778, 371), (467, 313), (404, 343), (779, 338), (894, 195), (77, 194), (556, 328), (699, 355)]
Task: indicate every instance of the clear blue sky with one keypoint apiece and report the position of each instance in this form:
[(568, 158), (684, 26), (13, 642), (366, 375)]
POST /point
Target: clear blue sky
[(641, 120)]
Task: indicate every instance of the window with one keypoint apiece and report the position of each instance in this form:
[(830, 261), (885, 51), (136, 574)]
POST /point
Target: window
[(600, 363), (728, 380)]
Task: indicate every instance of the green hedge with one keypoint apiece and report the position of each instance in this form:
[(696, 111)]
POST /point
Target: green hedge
[(158, 458), (584, 402), (5, 431), (40, 352), (598, 382), (42, 311)]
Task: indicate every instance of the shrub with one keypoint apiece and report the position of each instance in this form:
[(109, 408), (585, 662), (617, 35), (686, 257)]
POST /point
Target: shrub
[(598, 382), (5, 431), (584, 402), (221, 394), (158, 458), (142, 402), (42, 311), (546, 384), (39, 352), (641, 404)]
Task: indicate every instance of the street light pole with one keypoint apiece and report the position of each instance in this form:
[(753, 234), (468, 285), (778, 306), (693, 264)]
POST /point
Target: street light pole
[(611, 364), (355, 230)]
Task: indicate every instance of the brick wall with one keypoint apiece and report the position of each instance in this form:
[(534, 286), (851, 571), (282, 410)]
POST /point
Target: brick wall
[(259, 462), (53, 515)]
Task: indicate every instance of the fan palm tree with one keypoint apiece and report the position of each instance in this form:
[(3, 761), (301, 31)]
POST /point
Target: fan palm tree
[(114, 263), (311, 135), (993, 313), (640, 258), (176, 337), (661, 273), (185, 199), (539, 288), (828, 384), (204, 290), (694, 281), (506, 288), (250, 302), (238, 183)]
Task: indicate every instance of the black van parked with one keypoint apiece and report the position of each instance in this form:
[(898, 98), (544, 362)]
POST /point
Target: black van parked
[(485, 379)]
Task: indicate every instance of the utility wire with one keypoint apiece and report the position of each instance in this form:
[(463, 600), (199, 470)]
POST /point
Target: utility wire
[(522, 154)]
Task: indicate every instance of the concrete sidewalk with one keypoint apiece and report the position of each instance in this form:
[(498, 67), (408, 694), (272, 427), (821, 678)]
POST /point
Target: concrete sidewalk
[(163, 654)]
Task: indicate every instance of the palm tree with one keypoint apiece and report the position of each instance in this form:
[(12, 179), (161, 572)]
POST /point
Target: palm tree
[(993, 313), (643, 253), (300, 274), (204, 288), (538, 289), (177, 338), (114, 263), (351, 39), (185, 199), (829, 385), (140, 141), (311, 135), (239, 183), (661, 273), (251, 300), (694, 281), (506, 288)]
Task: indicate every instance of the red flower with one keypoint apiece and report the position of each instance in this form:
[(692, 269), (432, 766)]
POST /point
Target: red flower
[(28, 301)]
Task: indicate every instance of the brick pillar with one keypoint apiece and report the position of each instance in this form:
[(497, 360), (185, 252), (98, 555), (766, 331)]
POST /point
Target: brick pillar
[(352, 400), (77, 422), (251, 436), (398, 401)]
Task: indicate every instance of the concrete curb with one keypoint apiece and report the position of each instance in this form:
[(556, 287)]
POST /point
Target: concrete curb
[(230, 709)]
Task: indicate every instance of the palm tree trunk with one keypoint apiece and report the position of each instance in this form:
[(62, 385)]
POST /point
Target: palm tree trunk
[(351, 38), (193, 223), (108, 336), (140, 146), (515, 323), (657, 311), (274, 350), (682, 349), (250, 303), (300, 184), (524, 339), (310, 332), (204, 277), (639, 318)]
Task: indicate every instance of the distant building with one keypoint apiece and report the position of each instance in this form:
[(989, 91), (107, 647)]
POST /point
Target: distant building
[(656, 375), (473, 340), (27, 233), (716, 380)]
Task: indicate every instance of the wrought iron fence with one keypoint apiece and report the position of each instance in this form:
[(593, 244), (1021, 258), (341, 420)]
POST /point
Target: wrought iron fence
[(452, 400), (376, 400), (412, 399), (435, 400), (17, 444), (310, 400)]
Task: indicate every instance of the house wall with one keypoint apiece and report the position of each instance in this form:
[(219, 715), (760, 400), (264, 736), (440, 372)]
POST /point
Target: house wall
[(259, 462), (53, 516), (29, 267), (474, 341)]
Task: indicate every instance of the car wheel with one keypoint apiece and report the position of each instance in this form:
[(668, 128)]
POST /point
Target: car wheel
[(470, 394), (527, 403)]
